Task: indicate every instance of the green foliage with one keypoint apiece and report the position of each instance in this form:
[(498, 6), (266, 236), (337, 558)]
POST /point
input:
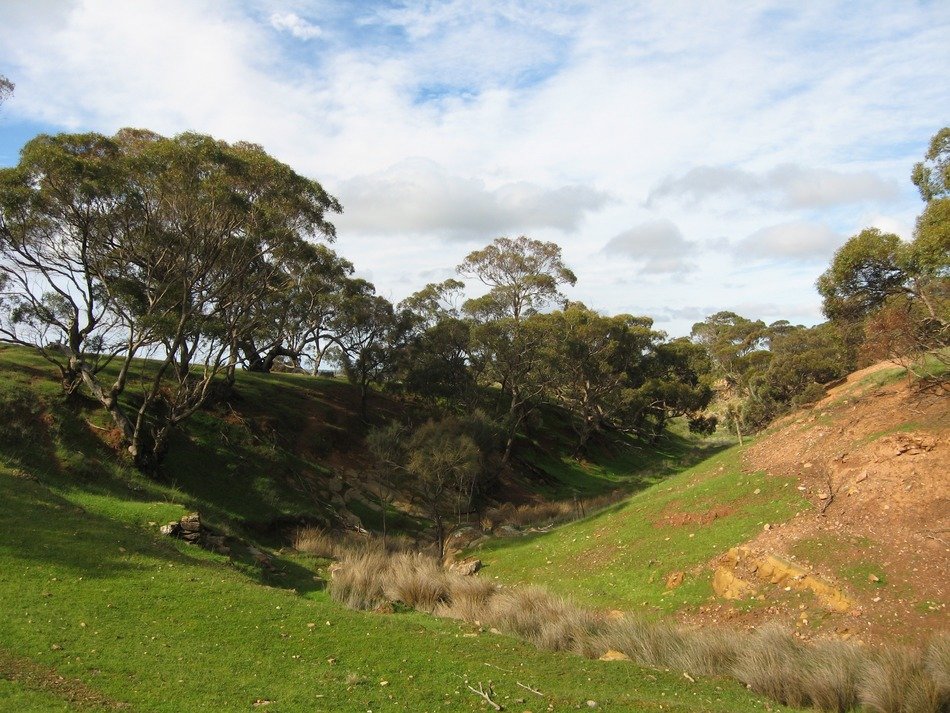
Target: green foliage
[(524, 274), (932, 176), (891, 295)]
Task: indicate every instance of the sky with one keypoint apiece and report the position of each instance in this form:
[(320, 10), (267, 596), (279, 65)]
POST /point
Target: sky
[(688, 157)]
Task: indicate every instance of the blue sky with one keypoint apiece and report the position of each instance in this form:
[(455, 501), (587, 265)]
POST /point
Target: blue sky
[(688, 157)]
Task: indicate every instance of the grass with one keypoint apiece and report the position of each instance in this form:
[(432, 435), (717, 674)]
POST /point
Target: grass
[(153, 622), (95, 598), (622, 556)]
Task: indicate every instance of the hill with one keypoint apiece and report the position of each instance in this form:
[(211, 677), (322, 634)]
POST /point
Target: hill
[(102, 611), (834, 521)]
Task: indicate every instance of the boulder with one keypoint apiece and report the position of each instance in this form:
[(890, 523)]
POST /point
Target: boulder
[(728, 586), (466, 567)]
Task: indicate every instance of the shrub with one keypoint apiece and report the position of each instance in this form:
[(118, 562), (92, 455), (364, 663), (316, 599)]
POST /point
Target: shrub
[(22, 421)]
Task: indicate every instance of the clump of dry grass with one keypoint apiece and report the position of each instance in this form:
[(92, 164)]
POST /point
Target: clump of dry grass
[(937, 665), (897, 681), (772, 662), (833, 675), (336, 545), (317, 542), (548, 621), (416, 581), (706, 652), (468, 598), (358, 582), (548, 513), (646, 643)]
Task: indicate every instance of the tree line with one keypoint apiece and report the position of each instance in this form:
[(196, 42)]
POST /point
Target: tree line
[(177, 261)]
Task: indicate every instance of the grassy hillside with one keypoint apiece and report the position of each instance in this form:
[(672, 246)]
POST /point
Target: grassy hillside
[(101, 611), (849, 498), (623, 557)]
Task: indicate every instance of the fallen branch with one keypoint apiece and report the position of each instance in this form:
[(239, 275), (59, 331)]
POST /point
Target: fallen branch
[(535, 691), (486, 695), (831, 496)]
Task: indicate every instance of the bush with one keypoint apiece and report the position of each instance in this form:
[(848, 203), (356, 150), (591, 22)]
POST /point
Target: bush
[(809, 395)]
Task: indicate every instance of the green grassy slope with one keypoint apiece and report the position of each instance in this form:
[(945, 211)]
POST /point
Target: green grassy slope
[(622, 557), (100, 610)]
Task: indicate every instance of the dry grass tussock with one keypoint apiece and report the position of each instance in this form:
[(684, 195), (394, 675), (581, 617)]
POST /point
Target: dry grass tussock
[(335, 545), (548, 513), (828, 675)]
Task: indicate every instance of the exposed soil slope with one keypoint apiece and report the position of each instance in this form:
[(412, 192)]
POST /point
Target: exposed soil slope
[(873, 458)]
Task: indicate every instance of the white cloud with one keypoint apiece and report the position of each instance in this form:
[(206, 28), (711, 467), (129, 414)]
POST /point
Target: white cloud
[(786, 186), (295, 25), (658, 245), (419, 196), (797, 240), (529, 115)]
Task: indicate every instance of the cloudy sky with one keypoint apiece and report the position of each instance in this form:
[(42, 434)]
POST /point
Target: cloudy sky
[(688, 156)]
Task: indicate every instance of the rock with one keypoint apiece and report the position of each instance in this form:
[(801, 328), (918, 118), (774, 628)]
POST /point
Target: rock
[(190, 523), (674, 579), (466, 567), (171, 529), (507, 531), (782, 572), (728, 586), (260, 558), (614, 655)]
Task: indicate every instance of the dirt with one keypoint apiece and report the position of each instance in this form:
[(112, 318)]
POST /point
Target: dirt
[(38, 677), (681, 519), (874, 463)]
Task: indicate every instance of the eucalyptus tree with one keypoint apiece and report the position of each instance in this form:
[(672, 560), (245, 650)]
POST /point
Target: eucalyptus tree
[(438, 360), (141, 245), (523, 276), (589, 359), (369, 333), (6, 88), (58, 208)]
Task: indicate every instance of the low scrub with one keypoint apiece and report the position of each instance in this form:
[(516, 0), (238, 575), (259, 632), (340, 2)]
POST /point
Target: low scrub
[(548, 513), (828, 675)]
